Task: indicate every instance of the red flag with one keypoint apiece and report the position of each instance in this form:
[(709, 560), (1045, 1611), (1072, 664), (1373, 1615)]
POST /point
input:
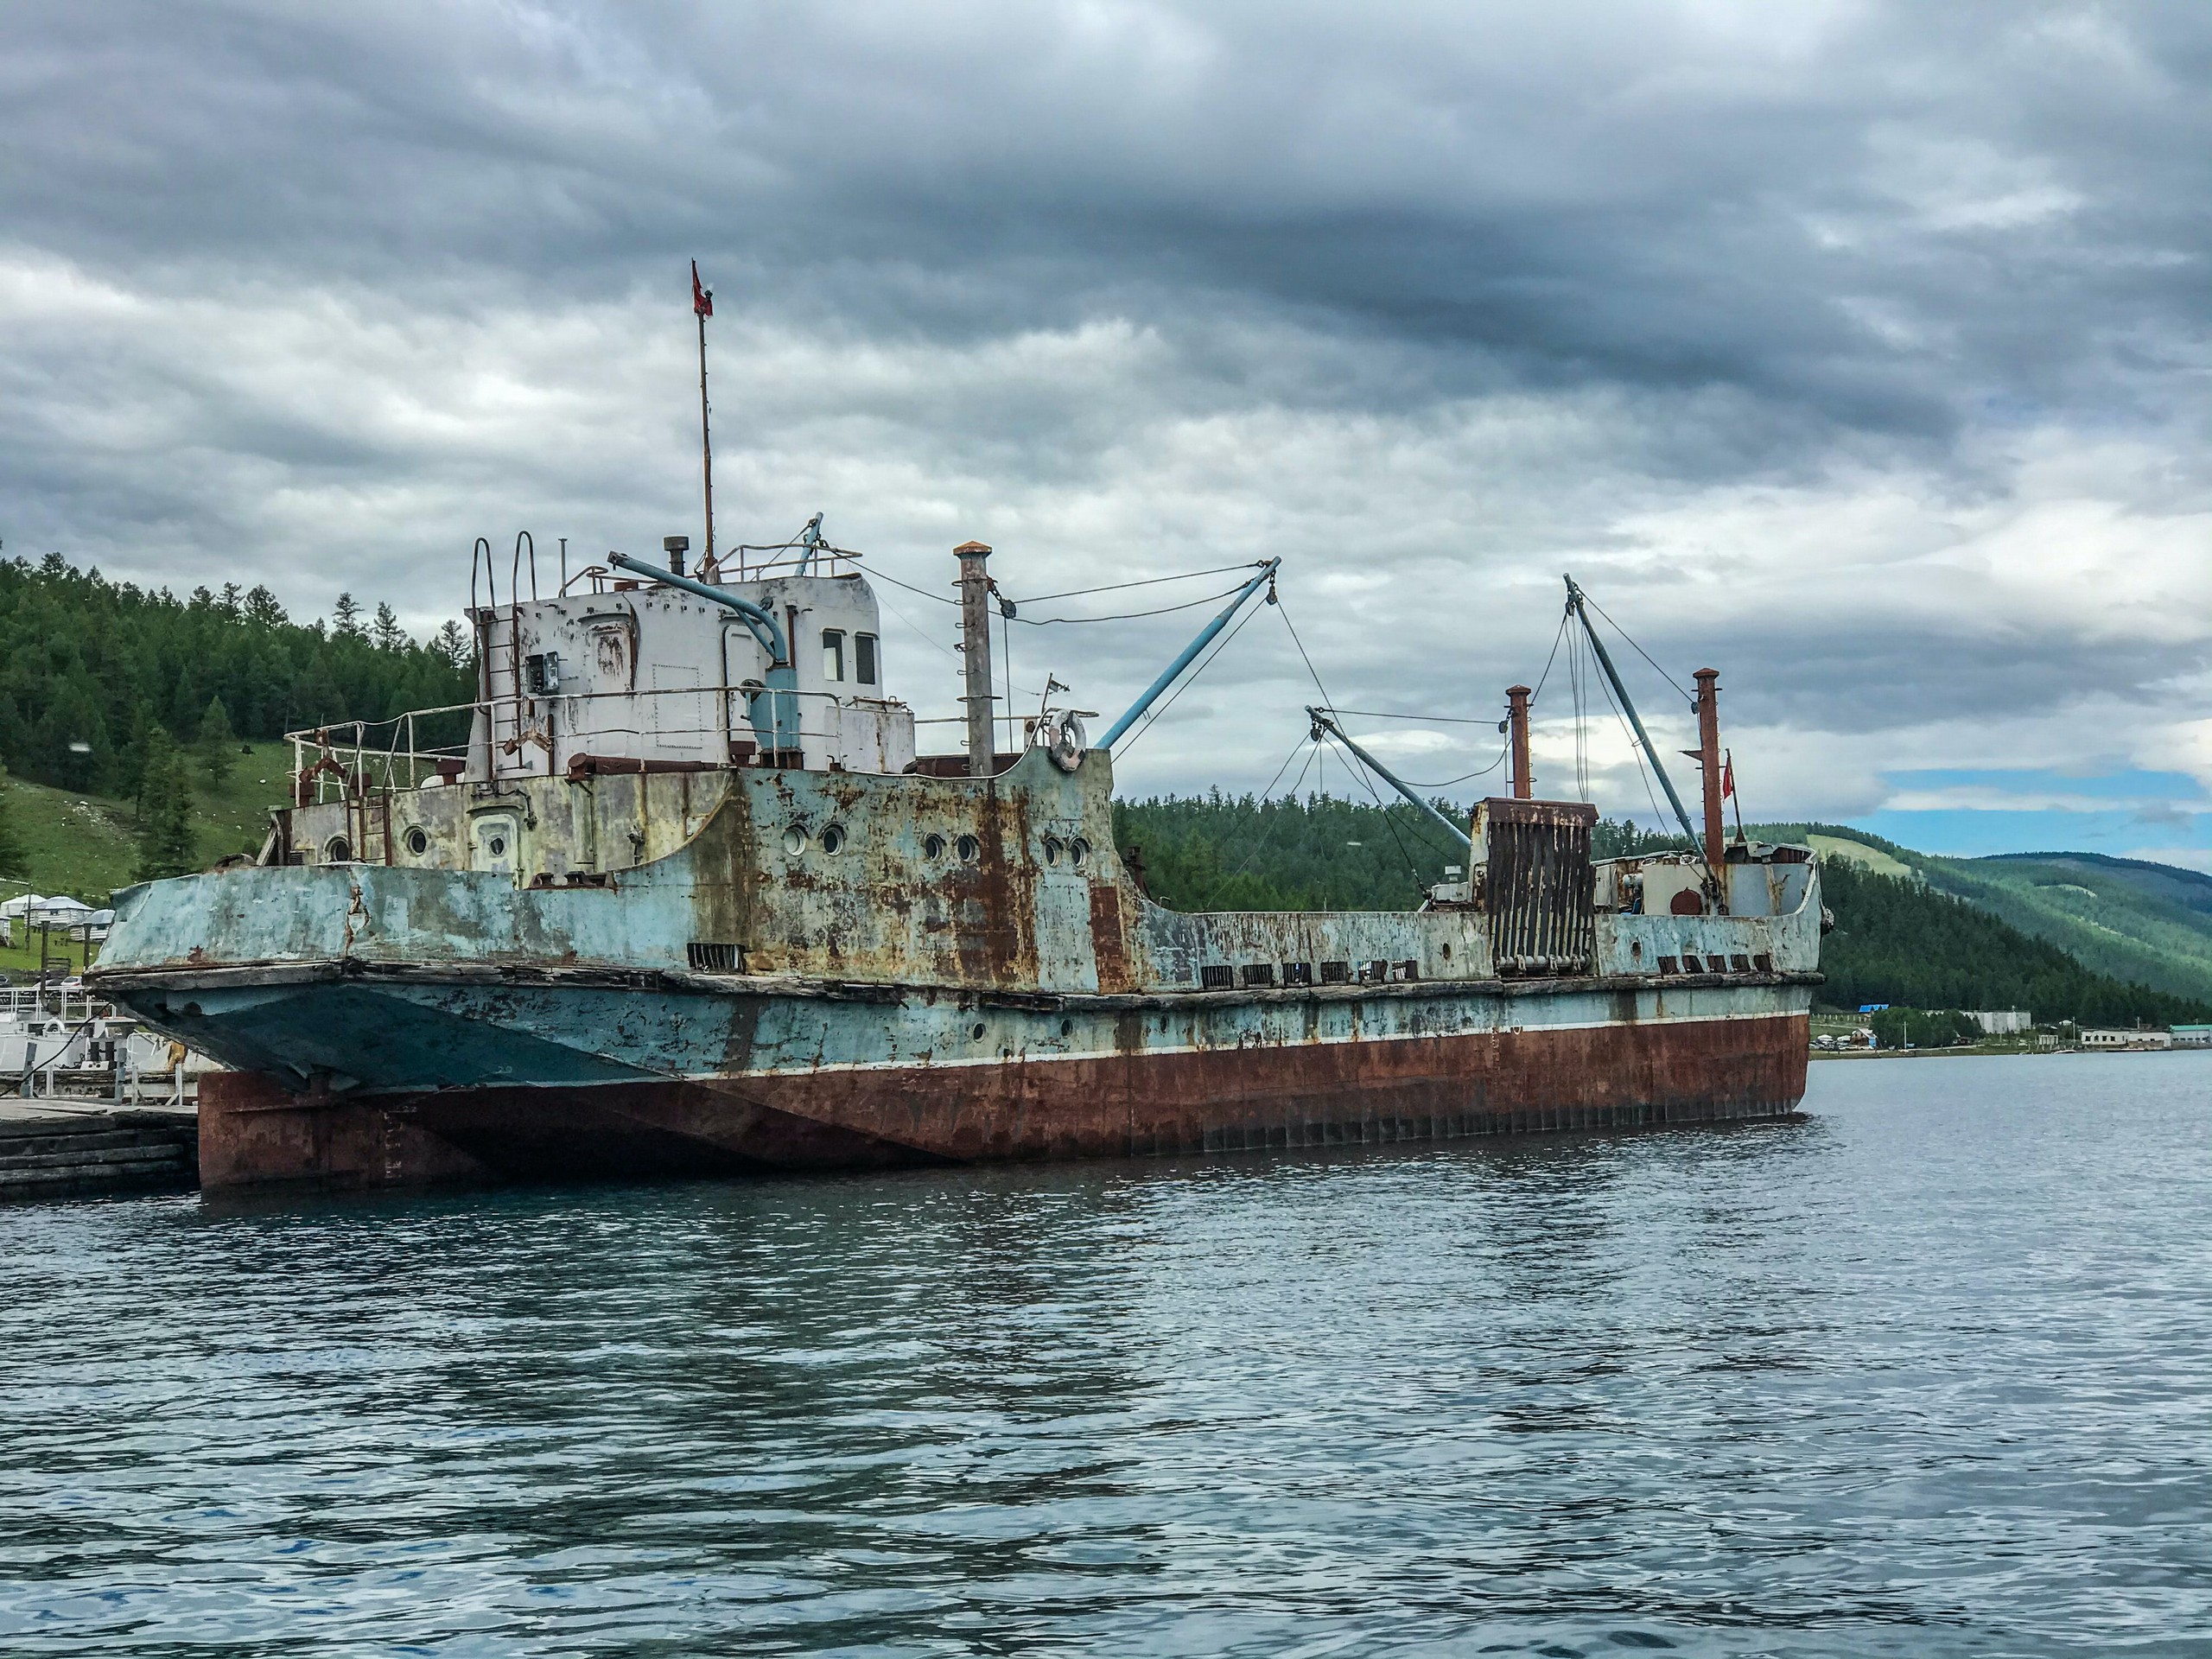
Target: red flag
[(702, 301), (1728, 775)]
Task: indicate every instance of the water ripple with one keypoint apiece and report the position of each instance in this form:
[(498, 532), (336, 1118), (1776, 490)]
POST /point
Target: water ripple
[(1922, 1373)]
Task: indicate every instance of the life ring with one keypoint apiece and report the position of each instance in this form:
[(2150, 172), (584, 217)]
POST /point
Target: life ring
[(1063, 738)]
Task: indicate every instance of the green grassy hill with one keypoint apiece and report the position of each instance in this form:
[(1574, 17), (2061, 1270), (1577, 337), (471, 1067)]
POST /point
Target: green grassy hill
[(85, 845), (2133, 920), (2139, 922)]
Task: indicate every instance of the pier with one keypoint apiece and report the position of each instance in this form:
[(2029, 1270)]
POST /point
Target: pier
[(54, 1148)]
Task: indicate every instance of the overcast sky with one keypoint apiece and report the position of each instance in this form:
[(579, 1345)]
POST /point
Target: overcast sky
[(1859, 350)]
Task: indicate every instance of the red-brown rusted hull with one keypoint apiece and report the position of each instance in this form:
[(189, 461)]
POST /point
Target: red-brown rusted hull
[(253, 1133)]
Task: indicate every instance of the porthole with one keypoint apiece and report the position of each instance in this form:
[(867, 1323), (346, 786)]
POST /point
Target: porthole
[(497, 846), (418, 843), (338, 850), (969, 847), (1078, 850), (1447, 953), (932, 847), (976, 1031), (832, 838), (1067, 1027), (795, 840), (1636, 951), (1051, 849)]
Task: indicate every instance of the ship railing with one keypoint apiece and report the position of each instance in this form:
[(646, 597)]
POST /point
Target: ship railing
[(735, 566), (352, 760)]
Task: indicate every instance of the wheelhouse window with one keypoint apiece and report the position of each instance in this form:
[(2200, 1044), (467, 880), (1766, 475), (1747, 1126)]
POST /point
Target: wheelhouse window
[(864, 658), (833, 655)]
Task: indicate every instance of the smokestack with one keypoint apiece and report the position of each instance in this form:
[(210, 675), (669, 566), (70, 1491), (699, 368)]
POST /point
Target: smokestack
[(976, 652), (1516, 720), (1708, 758), (676, 547)]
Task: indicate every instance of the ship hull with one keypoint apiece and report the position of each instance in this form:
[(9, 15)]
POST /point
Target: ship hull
[(489, 1082)]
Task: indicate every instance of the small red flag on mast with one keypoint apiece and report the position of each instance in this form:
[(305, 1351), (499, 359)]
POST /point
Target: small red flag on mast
[(702, 299), (1728, 775)]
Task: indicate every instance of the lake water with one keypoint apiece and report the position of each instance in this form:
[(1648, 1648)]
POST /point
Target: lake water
[(1927, 1372)]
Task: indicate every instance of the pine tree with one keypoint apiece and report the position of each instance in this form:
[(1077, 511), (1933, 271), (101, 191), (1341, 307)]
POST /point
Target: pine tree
[(260, 606), (217, 743), (13, 859), (452, 644), (165, 840), (387, 633), (346, 619)]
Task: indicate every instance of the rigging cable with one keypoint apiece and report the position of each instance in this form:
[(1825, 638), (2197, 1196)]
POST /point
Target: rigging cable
[(1546, 674), (1636, 749), (1215, 891), (1127, 616), (1639, 650), (1147, 582), (1480, 772), (1440, 720), (1390, 823), (1153, 716)]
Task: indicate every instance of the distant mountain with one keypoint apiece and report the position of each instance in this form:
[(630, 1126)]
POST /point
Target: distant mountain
[(2130, 919), (2125, 916)]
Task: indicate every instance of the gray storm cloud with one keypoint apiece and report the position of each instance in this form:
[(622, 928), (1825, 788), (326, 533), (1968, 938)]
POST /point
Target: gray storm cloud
[(1858, 348)]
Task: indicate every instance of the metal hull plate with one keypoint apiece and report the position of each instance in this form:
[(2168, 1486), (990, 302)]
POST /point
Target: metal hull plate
[(1740, 1053)]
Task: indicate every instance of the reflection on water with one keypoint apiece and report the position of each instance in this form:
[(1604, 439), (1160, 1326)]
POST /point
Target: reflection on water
[(1923, 1373)]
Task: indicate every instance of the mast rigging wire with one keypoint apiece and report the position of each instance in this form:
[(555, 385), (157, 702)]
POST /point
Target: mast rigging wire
[(1147, 582), (1153, 716), (1639, 650), (1389, 822)]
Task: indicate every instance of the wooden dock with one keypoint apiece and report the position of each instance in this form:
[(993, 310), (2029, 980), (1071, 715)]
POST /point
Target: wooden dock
[(60, 1148)]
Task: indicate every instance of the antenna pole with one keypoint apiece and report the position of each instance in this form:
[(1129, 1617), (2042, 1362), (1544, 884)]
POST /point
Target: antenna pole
[(705, 440), (702, 307)]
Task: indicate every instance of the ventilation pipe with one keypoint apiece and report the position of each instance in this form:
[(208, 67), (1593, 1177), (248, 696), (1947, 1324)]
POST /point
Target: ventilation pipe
[(1708, 757), (1516, 720), (975, 653)]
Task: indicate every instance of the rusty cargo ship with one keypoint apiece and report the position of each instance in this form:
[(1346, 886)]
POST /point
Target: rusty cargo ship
[(686, 900)]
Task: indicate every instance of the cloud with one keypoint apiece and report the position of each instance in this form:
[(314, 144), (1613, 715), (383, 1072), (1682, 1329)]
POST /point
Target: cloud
[(1857, 349)]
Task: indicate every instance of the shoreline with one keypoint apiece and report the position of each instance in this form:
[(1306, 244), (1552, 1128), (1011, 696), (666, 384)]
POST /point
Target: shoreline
[(1977, 1051)]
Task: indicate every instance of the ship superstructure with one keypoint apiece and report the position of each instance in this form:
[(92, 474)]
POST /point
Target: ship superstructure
[(677, 893)]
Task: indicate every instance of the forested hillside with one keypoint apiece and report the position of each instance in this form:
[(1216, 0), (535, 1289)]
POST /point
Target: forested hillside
[(90, 668), (1223, 853), (2125, 917), (1897, 940)]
